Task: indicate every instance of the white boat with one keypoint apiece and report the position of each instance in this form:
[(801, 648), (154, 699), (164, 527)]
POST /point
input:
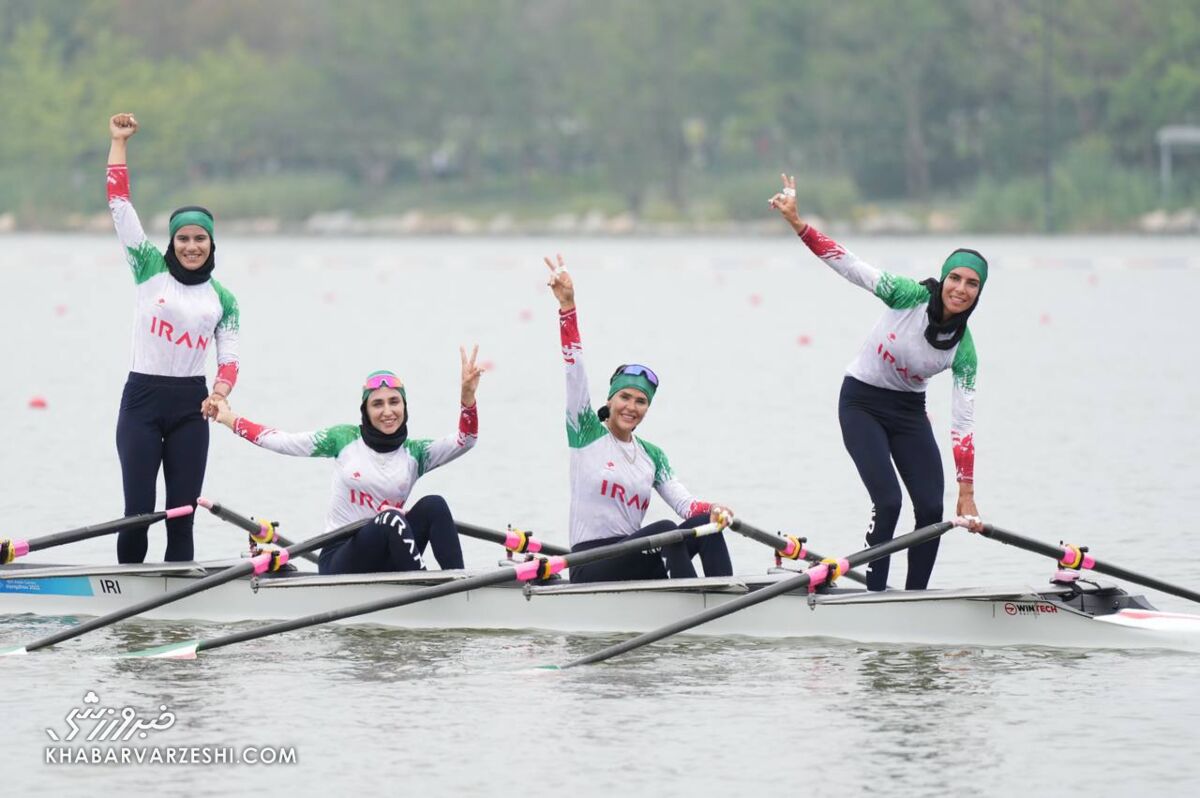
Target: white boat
[(1080, 615)]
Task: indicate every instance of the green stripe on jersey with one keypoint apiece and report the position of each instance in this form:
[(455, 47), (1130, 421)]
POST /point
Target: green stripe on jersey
[(230, 315), (965, 362), (419, 450), (145, 261), (662, 469), (330, 441), (900, 293), (587, 428)]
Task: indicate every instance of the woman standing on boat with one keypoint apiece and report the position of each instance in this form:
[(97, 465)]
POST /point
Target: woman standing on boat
[(613, 471), (180, 311), (376, 466), (882, 403)]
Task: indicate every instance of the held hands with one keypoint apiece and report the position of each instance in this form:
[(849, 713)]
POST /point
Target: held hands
[(122, 126), (560, 283), (221, 412), (210, 406), (470, 375), (785, 203)]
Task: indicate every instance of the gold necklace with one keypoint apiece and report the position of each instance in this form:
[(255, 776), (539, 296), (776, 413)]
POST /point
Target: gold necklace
[(630, 457)]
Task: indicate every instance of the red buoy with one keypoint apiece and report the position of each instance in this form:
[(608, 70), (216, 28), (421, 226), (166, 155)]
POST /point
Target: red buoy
[(38, 402)]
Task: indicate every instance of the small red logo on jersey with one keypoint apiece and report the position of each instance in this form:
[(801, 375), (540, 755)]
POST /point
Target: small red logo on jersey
[(610, 464), (162, 301), (356, 475)]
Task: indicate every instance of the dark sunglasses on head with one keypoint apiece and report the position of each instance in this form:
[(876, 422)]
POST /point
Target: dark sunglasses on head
[(636, 370)]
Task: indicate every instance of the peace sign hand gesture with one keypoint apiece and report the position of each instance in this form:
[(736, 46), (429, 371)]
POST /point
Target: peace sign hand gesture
[(470, 375), (560, 283), (785, 203)]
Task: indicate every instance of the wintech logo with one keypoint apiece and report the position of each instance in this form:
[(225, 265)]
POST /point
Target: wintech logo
[(1029, 608)]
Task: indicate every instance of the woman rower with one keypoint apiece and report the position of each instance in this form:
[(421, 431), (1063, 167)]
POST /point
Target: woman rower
[(613, 471), (882, 403), (376, 466), (180, 310)]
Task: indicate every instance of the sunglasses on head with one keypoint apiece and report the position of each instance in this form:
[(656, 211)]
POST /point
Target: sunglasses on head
[(382, 381), (636, 370)]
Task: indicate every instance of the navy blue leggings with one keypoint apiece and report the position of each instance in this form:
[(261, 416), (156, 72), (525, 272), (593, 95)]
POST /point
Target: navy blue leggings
[(160, 425), (396, 541), (673, 561), (880, 426)]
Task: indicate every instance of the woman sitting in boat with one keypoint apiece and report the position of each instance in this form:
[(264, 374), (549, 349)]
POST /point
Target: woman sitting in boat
[(180, 309), (613, 471), (376, 466), (882, 403)]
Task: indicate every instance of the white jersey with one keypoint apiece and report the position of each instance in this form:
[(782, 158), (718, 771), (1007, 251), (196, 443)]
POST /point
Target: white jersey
[(611, 481), (174, 324), (896, 354), (366, 481)]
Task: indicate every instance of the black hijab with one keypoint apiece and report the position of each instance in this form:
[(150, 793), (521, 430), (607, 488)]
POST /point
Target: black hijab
[(380, 441), (946, 334)]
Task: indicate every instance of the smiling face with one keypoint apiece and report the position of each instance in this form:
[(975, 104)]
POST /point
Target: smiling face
[(626, 409), (960, 289), (385, 410), (192, 246)]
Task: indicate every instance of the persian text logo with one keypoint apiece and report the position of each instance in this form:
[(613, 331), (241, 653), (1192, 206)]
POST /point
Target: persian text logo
[(101, 735), (111, 724)]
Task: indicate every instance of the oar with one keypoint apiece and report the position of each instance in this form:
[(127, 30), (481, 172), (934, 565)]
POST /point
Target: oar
[(269, 560), (521, 572), (811, 579), (12, 549), (1076, 557), (260, 531), (786, 546), (514, 540)]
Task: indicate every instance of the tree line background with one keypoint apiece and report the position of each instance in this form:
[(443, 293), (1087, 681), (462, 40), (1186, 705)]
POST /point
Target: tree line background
[(664, 109)]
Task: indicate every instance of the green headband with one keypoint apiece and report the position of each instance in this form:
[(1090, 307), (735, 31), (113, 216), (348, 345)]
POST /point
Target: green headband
[(375, 377), (199, 218), (965, 257), (637, 382)]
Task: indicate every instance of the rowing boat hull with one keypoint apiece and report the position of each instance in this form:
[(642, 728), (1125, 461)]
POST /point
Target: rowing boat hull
[(1021, 616)]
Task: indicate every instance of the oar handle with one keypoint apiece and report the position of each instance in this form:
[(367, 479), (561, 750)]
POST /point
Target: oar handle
[(514, 540), (789, 547), (11, 549), (1074, 557), (260, 531)]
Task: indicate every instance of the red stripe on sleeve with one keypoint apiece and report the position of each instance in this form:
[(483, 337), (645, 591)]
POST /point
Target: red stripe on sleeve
[(468, 420), (247, 429), (964, 458), (568, 330), (821, 245), (228, 373), (118, 182)]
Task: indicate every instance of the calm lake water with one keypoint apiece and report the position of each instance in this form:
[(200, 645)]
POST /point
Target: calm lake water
[(1086, 432)]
